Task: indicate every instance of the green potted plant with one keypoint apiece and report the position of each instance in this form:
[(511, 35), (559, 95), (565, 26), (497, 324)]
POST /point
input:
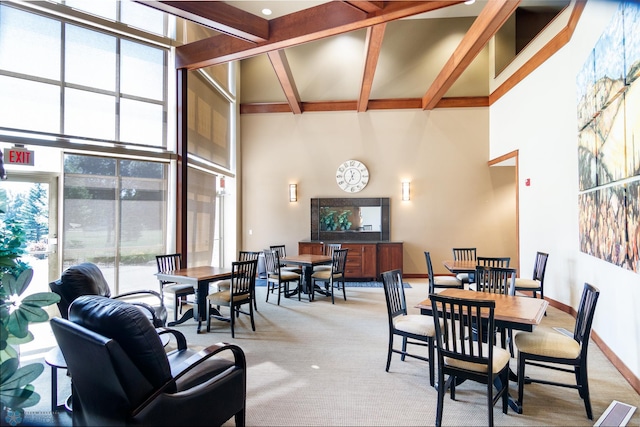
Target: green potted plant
[(327, 219), (16, 313), (343, 220)]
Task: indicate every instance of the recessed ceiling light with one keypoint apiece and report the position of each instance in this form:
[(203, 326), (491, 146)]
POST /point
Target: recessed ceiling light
[(268, 11), (470, 2)]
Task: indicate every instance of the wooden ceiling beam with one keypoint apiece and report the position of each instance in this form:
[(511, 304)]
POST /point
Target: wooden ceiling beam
[(373, 44), (217, 15), (488, 22), (366, 6), (374, 104), (281, 66), (325, 20)]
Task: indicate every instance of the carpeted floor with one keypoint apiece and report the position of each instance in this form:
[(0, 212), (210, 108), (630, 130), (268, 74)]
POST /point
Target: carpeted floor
[(322, 364)]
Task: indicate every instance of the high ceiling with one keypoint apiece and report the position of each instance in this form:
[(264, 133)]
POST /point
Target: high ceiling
[(360, 55)]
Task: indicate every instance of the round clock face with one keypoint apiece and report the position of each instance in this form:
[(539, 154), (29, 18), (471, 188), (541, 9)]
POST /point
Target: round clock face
[(352, 176)]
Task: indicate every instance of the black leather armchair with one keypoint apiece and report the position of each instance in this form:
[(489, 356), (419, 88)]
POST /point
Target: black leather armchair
[(123, 376), (87, 279)]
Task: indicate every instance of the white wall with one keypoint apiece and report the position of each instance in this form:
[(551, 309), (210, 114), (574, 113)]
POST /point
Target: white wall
[(538, 117)]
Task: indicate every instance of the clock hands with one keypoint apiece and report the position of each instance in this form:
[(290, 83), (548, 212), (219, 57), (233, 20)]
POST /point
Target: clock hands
[(352, 176)]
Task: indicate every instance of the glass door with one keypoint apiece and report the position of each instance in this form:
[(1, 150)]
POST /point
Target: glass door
[(32, 199)]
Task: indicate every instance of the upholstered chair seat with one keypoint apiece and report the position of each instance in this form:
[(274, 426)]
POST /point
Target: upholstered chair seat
[(417, 324), (447, 281), (285, 275), (548, 343), (500, 358), (524, 283)]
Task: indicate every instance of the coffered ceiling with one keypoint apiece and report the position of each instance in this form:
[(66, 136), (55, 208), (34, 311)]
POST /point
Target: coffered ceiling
[(359, 55)]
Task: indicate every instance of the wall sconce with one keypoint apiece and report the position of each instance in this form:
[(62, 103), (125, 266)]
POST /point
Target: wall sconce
[(293, 192), (405, 191)]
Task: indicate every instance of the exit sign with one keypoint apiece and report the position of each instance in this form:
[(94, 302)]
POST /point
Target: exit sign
[(18, 156)]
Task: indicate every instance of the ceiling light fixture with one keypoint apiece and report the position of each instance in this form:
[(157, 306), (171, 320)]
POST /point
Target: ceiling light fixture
[(468, 2), (268, 12)]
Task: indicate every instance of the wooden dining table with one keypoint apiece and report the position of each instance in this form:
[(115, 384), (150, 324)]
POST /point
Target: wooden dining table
[(460, 266), (516, 312), (199, 278), (307, 262)]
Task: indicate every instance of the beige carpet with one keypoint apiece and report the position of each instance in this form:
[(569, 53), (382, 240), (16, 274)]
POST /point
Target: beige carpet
[(318, 364)]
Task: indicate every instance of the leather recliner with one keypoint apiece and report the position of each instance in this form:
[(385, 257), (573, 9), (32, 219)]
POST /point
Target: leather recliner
[(123, 376), (87, 279)]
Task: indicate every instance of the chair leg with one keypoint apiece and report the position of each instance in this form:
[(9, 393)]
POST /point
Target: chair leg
[(268, 289), (404, 348), (280, 290), (583, 388), (389, 351), (232, 316), (344, 290), (253, 325), (208, 317), (442, 388), (432, 361), (521, 378), (505, 391), (490, 402), (331, 285)]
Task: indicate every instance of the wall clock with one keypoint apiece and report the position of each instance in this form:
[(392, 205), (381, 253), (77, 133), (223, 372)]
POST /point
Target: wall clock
[(352, 176)]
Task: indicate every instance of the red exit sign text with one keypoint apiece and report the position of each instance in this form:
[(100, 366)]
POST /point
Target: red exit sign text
[(18, 156)]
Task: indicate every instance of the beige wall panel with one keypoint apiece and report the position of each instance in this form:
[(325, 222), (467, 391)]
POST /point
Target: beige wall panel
[(455, 196)]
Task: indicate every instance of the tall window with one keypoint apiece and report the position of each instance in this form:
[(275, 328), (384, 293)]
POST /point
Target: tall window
[(64, 78), (115, 216)]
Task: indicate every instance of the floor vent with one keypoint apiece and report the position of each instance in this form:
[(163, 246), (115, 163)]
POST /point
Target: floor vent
[(617, 414)]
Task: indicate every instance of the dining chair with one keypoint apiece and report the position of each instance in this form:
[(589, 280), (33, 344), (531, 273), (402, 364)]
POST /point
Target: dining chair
[(502, 262), (225, 284), (241, 291), (498, 280), (464, 254), (180, 291), (536, 283), (554, 350), (415, 329), (327, 249), (277, 277), (282, 252), (462, 358), (440, 281), (334, 277)]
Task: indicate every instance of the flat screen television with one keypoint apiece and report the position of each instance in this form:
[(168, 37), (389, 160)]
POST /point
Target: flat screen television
[(350, 219)]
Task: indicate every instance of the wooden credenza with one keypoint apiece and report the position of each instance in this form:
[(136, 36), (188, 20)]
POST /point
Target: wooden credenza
[(366, 260)]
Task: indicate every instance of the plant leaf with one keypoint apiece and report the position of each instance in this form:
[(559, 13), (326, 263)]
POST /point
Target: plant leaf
[(32, 313), (20, 398), (22, 281), (23, 376), (8, 353), (17, 341), (7, 369), (41, 299), (18, 324)]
